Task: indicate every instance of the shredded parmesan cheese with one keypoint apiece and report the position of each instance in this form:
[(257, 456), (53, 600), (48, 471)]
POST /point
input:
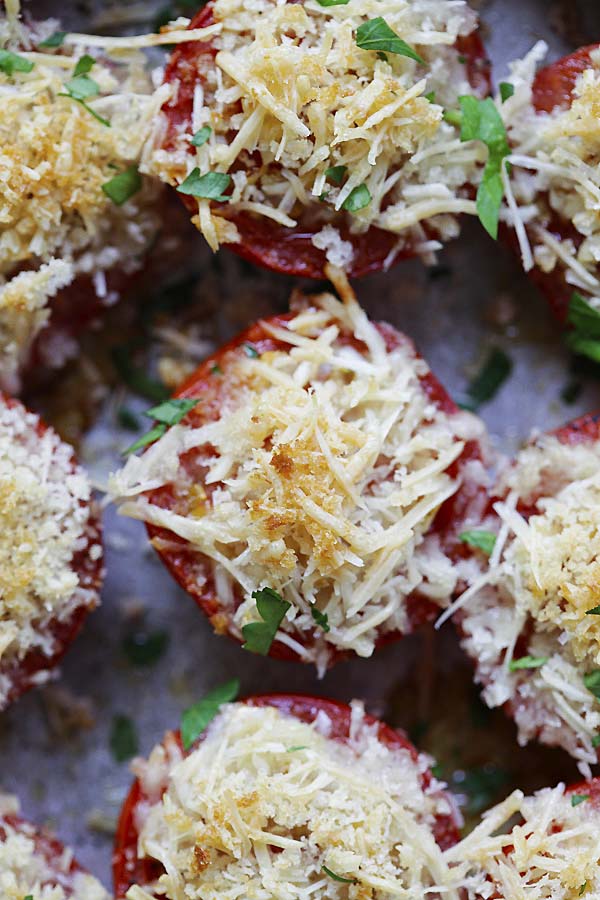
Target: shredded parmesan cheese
[(46, 514), (290, 95), (536, 594), (324, 472), (265, 802), (31, 867)]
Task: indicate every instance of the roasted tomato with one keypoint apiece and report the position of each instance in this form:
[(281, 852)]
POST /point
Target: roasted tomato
[(129, 868), (263, 240), (45, 495), (189, 492)]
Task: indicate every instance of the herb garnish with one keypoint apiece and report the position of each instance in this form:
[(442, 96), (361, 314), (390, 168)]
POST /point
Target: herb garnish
[(251, 351), (81, 87), (296, 748), (506, 90), (376, 34), (592, 682), (585, 319), (195, 719), (583, 888), (145, 648), (336, 174), (123, 738), (333, 2), (576, 799), (596, 740), (483, 540), (337, 877), (595, 611), (123, 186), (209, 186), (527, 662), (56, 39), (271, 608), (127, 419), (494, 372), (201, 136), (481, 121), (169, 413), (135, 378), (358, 198), (321, 618), (12, 62)]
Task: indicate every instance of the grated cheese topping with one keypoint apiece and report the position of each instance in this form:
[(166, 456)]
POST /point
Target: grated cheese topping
[(550, 854), (265, 801), (533, 598), (555, 175), (55, 221), (46, 514), (324, 472), (30, 866), (290, 95)]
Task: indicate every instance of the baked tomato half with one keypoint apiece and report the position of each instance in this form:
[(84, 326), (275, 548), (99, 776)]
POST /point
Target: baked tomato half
[(528, 617), (50, 551), (312, 447), (284, 718), (258, 226)]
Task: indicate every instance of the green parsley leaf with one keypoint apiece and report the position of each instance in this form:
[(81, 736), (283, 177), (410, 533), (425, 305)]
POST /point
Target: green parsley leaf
[(136, 379), (527, 662), (321, 618), (430, 96), (145, 648), (56, 39), (506, 90), (251, 351), (298, 747), (595, 611), (195, 719), (336, 174), (337, 877), (153, 435), (123, 186), (209, 186), (583, 888), (12, 62), (84, 65), (358, 198), (123, 738), (271, 608), (483, 540), (333, 2), (592, 682), (127, 419), (169, 413), (481, 121), (28, 897), (376, 34), (584, 339), (81, 87), (596, 740), (216, 369), (576, 799), (201, 136), (494, 372)]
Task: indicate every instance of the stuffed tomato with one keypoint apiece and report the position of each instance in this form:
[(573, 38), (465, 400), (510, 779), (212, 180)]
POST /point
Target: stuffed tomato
[(306, 499), (530, 617), (305, 133), (283, 790), (50, 550)]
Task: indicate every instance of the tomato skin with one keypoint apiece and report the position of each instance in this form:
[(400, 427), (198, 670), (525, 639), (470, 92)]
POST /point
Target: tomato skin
[(263, 241), (183, 562), (23, 673), (128, 869)]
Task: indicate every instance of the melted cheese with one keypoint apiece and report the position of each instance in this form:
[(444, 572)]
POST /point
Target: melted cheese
[(265, 801), (290, 87), (550, 854), (54, 158), (25, 870), (541, 586), (328, 466), (556, 173), (45, 509)]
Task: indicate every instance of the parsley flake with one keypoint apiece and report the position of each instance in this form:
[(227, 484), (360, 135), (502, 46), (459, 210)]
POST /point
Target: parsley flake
[(298, 747), (135, 378), (81, 87), (483, 540), (596, 740), (358, 198), (144, 649), (123, 739), (337, 877), (196, 718), (123, 186), (201, 136), (430, 96), (592, 682), (333, 2), (336, 174), (209, 186), (166, 414), (481, 121), (376, 34), (494, 372), (216, 369), (595, 611), (251, 351), (506, 90), (576, 799), (13, 62), (584, 339), (583, 889), (527, 662), (271, 608), (321, 618), (84, 65), (56, 39)]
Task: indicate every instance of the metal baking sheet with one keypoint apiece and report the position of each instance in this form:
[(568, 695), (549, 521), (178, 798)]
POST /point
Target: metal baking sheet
[(54, 743)]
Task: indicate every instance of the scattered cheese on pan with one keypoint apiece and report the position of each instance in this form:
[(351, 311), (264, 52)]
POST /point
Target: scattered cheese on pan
[(324, 472), (267, 805)]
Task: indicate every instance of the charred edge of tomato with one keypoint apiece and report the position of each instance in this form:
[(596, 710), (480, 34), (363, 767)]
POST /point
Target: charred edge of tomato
[(21, 673), (421, 610), (129, 869), (265, 242)]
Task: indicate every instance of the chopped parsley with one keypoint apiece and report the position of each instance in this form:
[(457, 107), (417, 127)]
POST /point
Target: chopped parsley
[(576, 799), (527, 662), (376, 34), (358, 198), (483, 540), (583, 888), (430, 95), (595, 611), (56, 39), (337, 877), (82, 88), (584, 339), (135, 378), (336, 174), (201, 136), (506, 90), (216, 369), (13, 62), (596, 740), (321, 618), (333, 2), (592, 682), (209, 186), (271, 608), (145, 648), (195, 719), (166, 414), (298, 747), (123, 738), (494, 372), (123, 186), (251, 351), (127, 419)]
